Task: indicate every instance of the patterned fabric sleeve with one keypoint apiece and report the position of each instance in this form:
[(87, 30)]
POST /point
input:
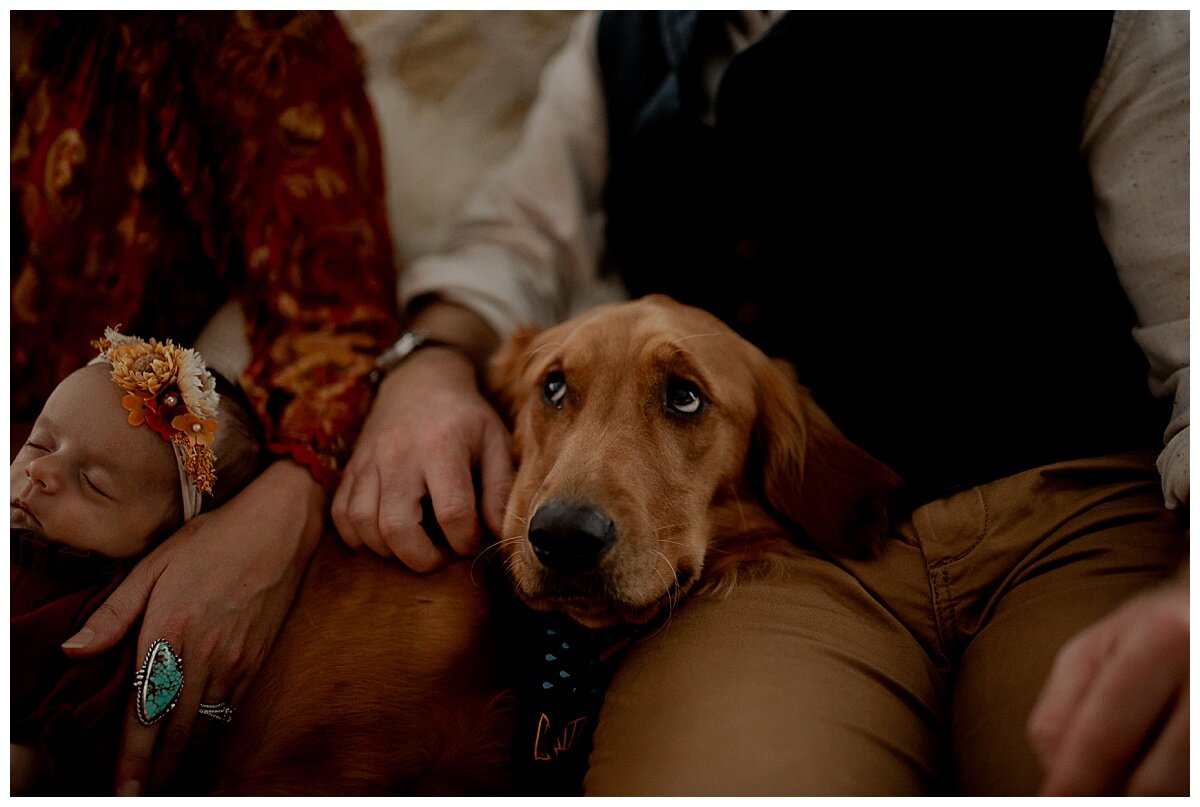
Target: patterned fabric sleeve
[(164, 162), (301, 183)]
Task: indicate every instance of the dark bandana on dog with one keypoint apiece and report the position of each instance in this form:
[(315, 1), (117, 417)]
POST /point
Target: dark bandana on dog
[(562, 675)]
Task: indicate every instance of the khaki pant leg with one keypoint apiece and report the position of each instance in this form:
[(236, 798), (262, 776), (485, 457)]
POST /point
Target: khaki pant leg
[(1091, 534), (795, 685)]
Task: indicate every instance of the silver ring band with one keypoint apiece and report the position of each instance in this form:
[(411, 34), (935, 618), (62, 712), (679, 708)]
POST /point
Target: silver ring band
[(222, 711)]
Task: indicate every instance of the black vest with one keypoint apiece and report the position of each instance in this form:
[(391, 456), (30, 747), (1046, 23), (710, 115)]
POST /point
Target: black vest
[(895, 202)]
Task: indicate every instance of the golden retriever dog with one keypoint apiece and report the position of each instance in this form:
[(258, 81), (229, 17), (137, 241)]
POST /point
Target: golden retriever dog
[(659, 453)]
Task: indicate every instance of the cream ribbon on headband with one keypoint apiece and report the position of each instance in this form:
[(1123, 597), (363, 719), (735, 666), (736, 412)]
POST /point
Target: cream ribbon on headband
[(191, 493)]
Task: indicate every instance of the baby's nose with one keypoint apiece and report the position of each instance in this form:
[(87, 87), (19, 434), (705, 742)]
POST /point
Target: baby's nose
[(43, 473)]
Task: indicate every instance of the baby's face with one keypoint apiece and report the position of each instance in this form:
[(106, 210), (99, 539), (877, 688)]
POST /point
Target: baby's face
[(87, 478)]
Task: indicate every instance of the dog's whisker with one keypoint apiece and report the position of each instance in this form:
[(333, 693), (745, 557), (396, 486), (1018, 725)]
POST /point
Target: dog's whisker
[(696, 336), (673, 543), (664, 578), (665, 560), (666, 622), (510, 568), (493, 547), (672, 602)]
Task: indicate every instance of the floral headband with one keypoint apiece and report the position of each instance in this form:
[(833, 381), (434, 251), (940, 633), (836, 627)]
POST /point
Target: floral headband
[(170, 390)]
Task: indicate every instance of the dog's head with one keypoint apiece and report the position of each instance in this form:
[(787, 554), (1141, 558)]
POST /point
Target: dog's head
[(647, 433)]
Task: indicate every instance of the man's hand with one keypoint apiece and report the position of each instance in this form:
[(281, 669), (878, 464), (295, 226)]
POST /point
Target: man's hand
[(428, 429), (218, 591), (1113, 716)]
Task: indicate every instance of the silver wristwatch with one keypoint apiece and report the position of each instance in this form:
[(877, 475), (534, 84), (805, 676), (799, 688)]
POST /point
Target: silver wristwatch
[(404, 347)]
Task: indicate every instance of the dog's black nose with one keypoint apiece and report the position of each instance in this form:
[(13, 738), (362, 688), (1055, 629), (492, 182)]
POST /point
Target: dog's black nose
[(570, 537)]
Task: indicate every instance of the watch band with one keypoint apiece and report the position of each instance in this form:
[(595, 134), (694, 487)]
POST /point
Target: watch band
[(408, 343)]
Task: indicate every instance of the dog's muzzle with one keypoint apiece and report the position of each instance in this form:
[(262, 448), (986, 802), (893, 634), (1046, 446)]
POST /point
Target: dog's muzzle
[(570, 537)]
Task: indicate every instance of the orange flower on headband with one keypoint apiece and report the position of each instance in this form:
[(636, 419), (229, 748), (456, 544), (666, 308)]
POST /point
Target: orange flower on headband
[(196, 430), (136, 407), (170, 390)]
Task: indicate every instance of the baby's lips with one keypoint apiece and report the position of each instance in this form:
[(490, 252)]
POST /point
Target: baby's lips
[(22, 517)]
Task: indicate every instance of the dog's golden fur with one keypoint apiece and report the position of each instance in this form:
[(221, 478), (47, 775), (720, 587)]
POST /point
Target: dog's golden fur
[(693, 496), (384, 681)]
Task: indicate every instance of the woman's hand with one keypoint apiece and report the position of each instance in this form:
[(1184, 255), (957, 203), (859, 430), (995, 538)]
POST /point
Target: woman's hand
[(1113, 716), (218, 591), (429, 427)]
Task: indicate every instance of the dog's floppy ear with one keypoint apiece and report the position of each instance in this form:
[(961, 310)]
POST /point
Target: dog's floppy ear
[(504, 371), (813, 475)]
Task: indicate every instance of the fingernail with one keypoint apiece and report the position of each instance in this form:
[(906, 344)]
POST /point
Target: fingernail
[(131, 788), (79, 640)]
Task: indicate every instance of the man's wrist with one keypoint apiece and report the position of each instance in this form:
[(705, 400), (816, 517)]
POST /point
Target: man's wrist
[(447, 365), (409, 343), (456, 327)]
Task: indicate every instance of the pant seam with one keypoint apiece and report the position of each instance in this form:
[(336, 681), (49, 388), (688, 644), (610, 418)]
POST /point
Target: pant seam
[(944, 603), (950, 634), (938, 594), (975, 544)]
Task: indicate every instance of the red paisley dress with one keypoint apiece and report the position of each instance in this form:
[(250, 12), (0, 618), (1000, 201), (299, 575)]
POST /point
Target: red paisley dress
[(163, 163)]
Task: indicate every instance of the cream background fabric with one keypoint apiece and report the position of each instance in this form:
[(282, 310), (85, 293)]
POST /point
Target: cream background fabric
[(450, 91)]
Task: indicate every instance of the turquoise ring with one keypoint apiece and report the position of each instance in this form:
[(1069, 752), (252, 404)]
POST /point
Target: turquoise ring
[(157, 683)]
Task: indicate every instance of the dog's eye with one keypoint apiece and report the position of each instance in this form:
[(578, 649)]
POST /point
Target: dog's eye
[(554, 388), (683, 397)]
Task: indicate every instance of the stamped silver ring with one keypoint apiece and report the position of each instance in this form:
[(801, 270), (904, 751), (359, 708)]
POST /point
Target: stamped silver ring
[(157, 683), (218, 711)]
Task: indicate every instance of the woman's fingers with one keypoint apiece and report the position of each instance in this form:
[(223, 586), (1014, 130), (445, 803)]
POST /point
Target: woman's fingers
[(176, 730), (112, 620), (133, 759), (158, 687), (222, 586)]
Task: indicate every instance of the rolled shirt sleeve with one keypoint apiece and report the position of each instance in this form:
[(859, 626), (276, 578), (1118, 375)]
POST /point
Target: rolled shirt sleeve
[(1136, 131), (526, 246)]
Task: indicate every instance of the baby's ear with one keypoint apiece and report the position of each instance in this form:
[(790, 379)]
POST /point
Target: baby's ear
[(504, 372)]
